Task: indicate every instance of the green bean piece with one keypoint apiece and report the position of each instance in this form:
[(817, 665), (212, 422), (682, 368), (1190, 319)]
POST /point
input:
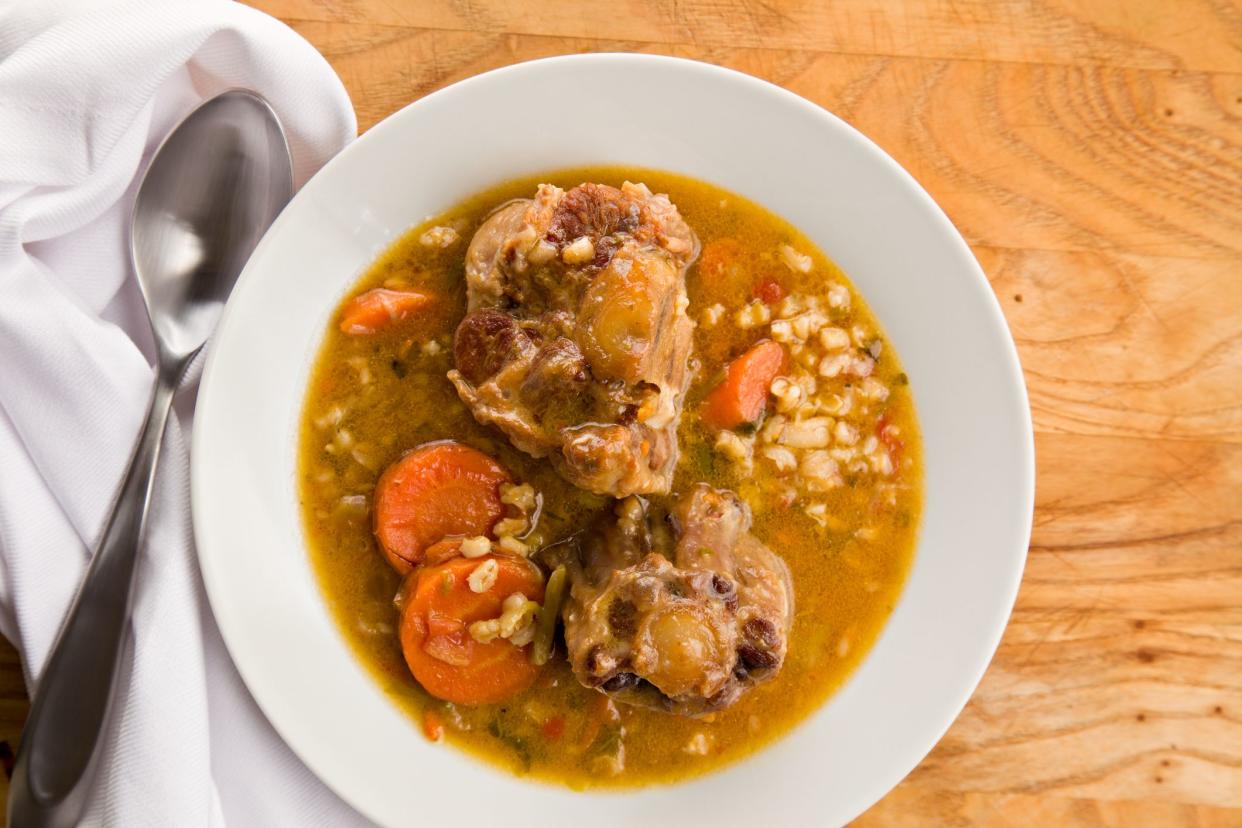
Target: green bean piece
[(545, 624)]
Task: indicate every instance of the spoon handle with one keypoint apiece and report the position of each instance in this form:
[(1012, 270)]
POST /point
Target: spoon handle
[(56, 762)]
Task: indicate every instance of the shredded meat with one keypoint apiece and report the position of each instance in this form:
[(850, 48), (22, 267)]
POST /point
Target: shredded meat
[(683, 611), (577, 343)]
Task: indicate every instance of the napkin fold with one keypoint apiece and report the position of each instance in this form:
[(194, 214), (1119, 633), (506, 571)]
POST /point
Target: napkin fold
[(88, 90)]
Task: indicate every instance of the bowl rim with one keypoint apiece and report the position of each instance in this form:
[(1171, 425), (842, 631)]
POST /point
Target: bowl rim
[(867, 795)]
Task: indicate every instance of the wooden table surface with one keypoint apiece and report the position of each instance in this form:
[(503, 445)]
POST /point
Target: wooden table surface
[(1091, 153)]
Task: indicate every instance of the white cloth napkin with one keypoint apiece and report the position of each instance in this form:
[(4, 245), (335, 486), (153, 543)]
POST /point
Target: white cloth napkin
[(87, 91)]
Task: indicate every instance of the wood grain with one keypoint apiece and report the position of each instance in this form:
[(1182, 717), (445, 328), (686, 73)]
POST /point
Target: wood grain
[(1192, 34), (1091, 153), (1028, 156), (916, 807)]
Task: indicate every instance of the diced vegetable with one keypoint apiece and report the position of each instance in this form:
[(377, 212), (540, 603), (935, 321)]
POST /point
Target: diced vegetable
[(769, 291), (437, 491), (439, 650), (719, 261), (554, 728), (433, 725), (545, 625), (890, 440), (741, 396), (601, 713), (376, 309)]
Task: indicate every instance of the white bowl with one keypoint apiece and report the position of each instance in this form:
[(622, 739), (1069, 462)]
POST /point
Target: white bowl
[(748, 136)]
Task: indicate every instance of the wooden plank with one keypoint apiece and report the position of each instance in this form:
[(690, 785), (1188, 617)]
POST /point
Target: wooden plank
[(1120, 674), (1125, 344), (1189, 34), (915, 806), (1020, 156)]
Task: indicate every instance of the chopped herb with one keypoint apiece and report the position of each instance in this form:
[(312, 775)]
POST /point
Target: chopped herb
[(608, 742), (398, 368), (701, 456), (545, 624), (519, 746), (902, 379)]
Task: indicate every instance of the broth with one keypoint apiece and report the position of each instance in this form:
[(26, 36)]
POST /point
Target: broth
[(388, 393)]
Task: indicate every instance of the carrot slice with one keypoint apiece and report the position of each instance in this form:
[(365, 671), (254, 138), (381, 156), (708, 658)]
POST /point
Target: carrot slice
[(436, 615), (741, 396), (376, 309), (442, 551), (436, 491)]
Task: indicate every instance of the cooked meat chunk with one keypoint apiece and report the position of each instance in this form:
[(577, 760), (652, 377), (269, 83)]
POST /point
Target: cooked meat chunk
[(577, 343), (682, 611)]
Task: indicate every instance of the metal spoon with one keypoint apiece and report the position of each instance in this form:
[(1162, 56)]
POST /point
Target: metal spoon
[(209, 194)]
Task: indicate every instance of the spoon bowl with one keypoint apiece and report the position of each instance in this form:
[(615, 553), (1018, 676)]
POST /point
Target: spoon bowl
[(211, 191), (208, 196)]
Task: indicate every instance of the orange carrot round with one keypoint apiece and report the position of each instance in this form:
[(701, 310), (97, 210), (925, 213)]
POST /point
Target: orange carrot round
[(436, 615), (376, 309), (741, 396), (437, 491), (442, 551)]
